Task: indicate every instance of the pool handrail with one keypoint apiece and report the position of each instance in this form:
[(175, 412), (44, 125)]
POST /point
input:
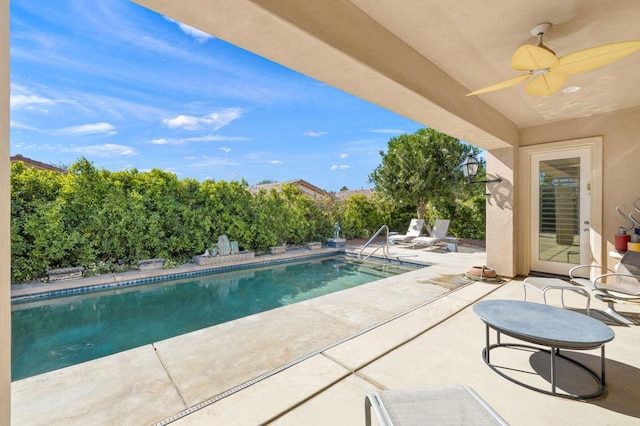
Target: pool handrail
[(385, 247)]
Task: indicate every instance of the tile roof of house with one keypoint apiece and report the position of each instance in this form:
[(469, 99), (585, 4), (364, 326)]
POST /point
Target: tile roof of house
[(36, 164), (303, 185), (342, 195)]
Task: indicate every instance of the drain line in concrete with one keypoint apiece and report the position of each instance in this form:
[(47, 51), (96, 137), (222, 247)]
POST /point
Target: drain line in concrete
[(275, 371)]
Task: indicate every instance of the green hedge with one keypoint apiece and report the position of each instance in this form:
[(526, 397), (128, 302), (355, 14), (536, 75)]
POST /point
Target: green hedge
[(107, 221)]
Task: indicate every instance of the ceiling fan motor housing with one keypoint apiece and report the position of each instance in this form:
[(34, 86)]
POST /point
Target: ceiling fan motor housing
[(540, 29)]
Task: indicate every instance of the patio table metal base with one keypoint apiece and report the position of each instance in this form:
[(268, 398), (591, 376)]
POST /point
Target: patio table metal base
[(553, 352)]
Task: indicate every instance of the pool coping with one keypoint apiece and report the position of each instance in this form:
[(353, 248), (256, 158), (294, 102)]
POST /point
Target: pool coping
[(41, 290)]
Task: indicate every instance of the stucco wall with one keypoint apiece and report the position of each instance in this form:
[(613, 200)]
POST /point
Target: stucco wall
[(5, 238), (621, 160), (501, 226)]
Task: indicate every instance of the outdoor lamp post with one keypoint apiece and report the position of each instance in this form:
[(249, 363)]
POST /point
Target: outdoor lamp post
[(470, 169)]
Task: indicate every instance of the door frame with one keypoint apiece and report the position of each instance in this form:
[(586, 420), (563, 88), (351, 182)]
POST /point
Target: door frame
[(594, 144)]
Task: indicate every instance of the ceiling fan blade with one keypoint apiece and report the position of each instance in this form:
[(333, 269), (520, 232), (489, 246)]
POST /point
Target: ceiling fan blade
[(529, 58), (545, 84), (501, 85), (595, 57)]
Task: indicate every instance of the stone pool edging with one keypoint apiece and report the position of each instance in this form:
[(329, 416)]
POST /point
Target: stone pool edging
[(216, 260), (62, 274), (40, 290)]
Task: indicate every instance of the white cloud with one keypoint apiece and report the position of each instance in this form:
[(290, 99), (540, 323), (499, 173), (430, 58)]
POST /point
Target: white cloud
[(88, 129), (387, 131), (339, 167), (314, 134), (215, 120), (278, 162), (343, 155), (105, 150), (205, 138), (224, 149), (206, 161), (184, 121), (34, 147), (200, 36), (28, 101), (60, 103), (17, 125), (214, 138)]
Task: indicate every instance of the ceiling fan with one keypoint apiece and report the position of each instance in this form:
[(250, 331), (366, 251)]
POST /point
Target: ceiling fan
[(546, 73)]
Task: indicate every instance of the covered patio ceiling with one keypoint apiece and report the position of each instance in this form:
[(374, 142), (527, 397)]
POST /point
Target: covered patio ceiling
[(420, 58)]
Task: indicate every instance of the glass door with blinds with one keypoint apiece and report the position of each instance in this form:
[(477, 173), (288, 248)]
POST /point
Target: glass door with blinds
[(560, 210)]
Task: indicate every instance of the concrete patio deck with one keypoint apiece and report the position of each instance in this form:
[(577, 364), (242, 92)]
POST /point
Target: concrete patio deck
[(313, 362)]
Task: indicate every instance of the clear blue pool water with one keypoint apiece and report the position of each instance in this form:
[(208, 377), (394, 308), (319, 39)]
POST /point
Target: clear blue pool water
[(57, 332)]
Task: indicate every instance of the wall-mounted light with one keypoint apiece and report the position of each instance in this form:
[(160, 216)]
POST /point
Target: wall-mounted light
[(470, 169)]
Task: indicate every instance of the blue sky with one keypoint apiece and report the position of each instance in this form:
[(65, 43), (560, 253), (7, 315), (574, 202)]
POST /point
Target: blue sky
[(128, 88)]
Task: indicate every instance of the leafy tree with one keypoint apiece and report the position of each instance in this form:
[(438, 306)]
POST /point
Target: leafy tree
[(421, 170), (228, 207), (265, 181), (287, 217), (266, 226), (360, 217)]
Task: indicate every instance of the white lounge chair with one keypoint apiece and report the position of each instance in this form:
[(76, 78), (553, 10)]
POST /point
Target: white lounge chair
[(623, 284), (437, 235), (453, 405), (415, 228)]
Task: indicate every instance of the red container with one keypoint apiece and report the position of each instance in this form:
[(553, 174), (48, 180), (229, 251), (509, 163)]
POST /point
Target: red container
[(621, 242)]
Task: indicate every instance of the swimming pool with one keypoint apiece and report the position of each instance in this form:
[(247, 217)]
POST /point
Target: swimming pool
[(57, 332)]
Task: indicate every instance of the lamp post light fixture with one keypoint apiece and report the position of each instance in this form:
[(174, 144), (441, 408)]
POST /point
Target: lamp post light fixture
[(470, 169)]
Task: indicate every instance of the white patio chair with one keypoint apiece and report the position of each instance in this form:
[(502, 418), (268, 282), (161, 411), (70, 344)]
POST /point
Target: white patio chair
[(621, 284), (438, 235), (415, 228), (453, 405)]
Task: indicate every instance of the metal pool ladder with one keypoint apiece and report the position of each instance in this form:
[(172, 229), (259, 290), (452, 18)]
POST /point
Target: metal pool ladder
[(385, 247)]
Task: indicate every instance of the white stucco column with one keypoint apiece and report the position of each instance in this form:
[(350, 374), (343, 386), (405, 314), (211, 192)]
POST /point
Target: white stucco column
[(5, 222), (501, 211)]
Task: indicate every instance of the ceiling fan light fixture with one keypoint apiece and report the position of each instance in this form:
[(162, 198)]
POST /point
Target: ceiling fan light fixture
[(571, 89), (539, 72)]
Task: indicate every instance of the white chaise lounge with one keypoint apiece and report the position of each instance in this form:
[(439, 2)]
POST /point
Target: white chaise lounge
[(415, 228), (438, 235)]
